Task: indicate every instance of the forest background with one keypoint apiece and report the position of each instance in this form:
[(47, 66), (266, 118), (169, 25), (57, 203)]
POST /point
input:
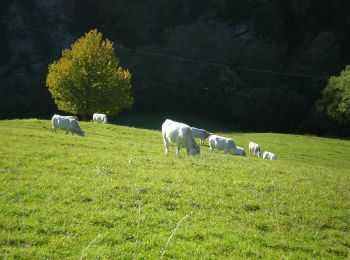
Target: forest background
[(259, 65)]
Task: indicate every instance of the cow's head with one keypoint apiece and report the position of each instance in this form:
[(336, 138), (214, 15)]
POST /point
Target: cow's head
[(234, 151), (195, 149), (81, 133), (207, 134)]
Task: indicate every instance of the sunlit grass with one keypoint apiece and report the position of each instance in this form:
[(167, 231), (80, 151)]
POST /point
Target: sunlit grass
[(115, 194)]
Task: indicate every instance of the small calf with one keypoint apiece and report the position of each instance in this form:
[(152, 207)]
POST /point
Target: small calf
[(254, 148), (269, 156)]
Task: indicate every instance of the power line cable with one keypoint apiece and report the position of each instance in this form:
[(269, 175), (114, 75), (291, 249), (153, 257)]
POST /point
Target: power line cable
[(179, 58)]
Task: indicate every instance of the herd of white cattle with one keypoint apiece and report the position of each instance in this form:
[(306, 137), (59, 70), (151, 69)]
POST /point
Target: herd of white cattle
[(184, 137), (179, 133)]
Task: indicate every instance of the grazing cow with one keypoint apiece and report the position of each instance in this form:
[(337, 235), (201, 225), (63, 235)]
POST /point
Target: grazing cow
[(269, 156), (200, 133), (180, 134), (240, 151), (75, 117), (254, 148), (70, 124), (222, 143), (100, 118)]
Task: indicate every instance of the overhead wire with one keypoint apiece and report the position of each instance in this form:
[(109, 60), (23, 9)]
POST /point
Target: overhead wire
[(179, 58), (184, 59)]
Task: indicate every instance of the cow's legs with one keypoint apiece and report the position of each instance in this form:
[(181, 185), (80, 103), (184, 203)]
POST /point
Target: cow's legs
[(167, 148), (166, 145), (177, 150), (178, 145), (69, 129)]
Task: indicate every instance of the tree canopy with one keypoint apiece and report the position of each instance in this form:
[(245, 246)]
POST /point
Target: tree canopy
[(336, 97), (88, 78)]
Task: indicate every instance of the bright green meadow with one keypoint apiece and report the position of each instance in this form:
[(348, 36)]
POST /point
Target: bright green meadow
[(114, 194)]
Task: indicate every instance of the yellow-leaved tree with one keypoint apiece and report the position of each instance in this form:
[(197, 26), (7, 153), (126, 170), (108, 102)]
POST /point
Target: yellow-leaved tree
[(88, 78)]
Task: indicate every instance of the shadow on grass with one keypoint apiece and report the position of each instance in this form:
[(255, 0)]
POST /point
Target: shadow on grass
[(154, 120)]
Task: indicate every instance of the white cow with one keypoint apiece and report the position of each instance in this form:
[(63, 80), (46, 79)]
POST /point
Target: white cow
[(269, 156), (254, 148), (200, 133), (100, 118), (240, 151), (222, 143), (74, 117), (68, 123), (180, 134)]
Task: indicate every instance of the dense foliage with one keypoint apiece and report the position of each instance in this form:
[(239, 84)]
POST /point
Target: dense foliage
[(263, 63), (88, 78), (336, 97)]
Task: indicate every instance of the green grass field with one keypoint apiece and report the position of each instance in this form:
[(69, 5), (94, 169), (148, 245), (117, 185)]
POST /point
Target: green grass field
[(114, 194)]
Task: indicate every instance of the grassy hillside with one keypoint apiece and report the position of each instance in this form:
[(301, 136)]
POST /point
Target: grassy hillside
[(115, 194)]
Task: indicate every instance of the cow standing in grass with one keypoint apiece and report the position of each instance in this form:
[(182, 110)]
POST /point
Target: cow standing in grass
[(269, 156), (68, 123), (254, 148), (181, 135), (100, 118), (223, 144)]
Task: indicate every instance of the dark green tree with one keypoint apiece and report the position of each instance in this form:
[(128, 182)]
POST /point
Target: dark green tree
[(88, 78), (336, 97)]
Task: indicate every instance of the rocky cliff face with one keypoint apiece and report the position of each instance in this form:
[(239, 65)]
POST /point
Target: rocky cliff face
[(33, 35)]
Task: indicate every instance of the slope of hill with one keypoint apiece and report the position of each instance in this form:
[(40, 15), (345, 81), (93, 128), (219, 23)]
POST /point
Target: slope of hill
[(115, 194)]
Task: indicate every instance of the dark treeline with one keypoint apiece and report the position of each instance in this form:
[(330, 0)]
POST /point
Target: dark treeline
[(260, 65)]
